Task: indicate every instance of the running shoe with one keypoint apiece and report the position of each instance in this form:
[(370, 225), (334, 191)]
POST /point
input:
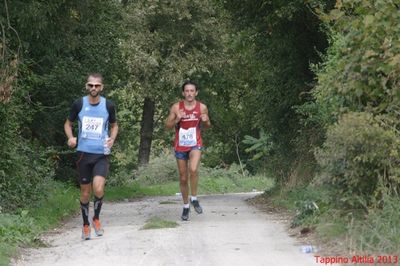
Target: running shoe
[(98, 230), (197, 206), (185, 214), (86, 232)]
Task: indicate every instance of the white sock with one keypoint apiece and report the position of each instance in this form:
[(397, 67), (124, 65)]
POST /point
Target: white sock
[(186, 206), (193, 198)]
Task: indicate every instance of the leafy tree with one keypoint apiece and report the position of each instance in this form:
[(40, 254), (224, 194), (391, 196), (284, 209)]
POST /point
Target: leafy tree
[(62, 42), (9, 57), (168, 42), (361, 69), (280, 40)]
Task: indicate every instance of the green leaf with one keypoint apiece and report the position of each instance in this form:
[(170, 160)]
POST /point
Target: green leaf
[(368, 20)]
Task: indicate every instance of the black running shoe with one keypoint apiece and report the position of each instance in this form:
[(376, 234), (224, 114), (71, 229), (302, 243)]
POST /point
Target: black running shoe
[(197, 206), (185, 214)]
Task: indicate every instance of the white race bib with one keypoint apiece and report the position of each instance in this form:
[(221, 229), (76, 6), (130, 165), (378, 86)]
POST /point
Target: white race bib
[(92, 127), (187, 137)]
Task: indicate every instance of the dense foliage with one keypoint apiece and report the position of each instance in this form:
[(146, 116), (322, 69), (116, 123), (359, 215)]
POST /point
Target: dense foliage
[(359, 159), (280, 39), (168, 42), (358, 87), (48, 48), (305, 90)]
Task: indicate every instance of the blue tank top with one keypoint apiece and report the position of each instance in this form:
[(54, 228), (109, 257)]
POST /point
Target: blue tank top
[(93, 126)]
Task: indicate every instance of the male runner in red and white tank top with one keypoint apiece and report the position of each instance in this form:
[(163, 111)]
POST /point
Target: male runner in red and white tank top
[(187, 116)]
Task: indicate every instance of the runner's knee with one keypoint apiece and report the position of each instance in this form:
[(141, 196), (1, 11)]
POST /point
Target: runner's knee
[(193, 172), (183, 182), (85, 196), (99, 193)]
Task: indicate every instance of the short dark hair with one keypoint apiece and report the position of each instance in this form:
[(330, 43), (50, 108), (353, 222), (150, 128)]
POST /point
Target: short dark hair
[(96, 75), (189, 82)]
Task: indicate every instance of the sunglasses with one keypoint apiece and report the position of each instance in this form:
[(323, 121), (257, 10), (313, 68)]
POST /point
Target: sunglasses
[(96, 86)]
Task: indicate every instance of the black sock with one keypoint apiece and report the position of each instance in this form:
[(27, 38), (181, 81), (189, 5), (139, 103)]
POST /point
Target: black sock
[(85, 213), (97, 206)]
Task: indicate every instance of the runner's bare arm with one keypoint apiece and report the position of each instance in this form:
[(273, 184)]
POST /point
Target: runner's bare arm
[(173, 117), (204, 116), (113, 134), (70, 136)]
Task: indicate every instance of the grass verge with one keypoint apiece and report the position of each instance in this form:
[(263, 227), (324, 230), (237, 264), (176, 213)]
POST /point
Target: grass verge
[(158, 223), (24, 227), (336, 230), (207, 185)]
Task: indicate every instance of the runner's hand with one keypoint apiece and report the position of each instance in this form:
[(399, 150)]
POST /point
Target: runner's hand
[(179, 115), (110, 142), (72, 142), (204, 117)]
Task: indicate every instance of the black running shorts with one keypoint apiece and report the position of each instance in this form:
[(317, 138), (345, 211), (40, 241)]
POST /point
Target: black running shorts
[(89, 165)]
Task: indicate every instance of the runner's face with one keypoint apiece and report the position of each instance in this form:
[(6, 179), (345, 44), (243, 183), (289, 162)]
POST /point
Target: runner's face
[(94, 86), (189, 92)]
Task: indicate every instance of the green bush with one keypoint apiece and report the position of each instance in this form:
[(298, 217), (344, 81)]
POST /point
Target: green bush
[(124, 154), (16, 228), (379, 232), (25, 166), (233, 172), (218, 154), (359, 158), (161, 169), (23, 174)]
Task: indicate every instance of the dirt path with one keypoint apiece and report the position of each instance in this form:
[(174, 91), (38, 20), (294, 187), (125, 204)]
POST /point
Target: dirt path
[(229, 232)]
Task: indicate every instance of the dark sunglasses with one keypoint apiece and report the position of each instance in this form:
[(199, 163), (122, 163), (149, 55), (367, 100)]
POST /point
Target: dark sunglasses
[(90, 85)]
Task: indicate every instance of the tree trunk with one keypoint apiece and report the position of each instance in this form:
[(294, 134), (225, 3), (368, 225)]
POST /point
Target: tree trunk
[(146, 131)]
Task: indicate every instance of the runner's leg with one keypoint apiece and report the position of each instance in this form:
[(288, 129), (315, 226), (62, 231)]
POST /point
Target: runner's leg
[(84, 199), (183, 180), (100, 172), (84, 168), (194, 162), (98, 191)]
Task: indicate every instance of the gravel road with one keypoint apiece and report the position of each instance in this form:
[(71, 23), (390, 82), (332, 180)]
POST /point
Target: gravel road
[(229, 232)]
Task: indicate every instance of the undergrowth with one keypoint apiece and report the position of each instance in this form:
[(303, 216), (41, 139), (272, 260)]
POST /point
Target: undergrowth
[(374, 231), (161, 177), (24, 226)]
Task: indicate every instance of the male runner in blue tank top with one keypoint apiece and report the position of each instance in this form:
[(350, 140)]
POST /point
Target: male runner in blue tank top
[(96, 120)]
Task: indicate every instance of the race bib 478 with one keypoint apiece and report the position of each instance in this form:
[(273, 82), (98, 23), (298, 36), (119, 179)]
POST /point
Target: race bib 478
[(187, 137)]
